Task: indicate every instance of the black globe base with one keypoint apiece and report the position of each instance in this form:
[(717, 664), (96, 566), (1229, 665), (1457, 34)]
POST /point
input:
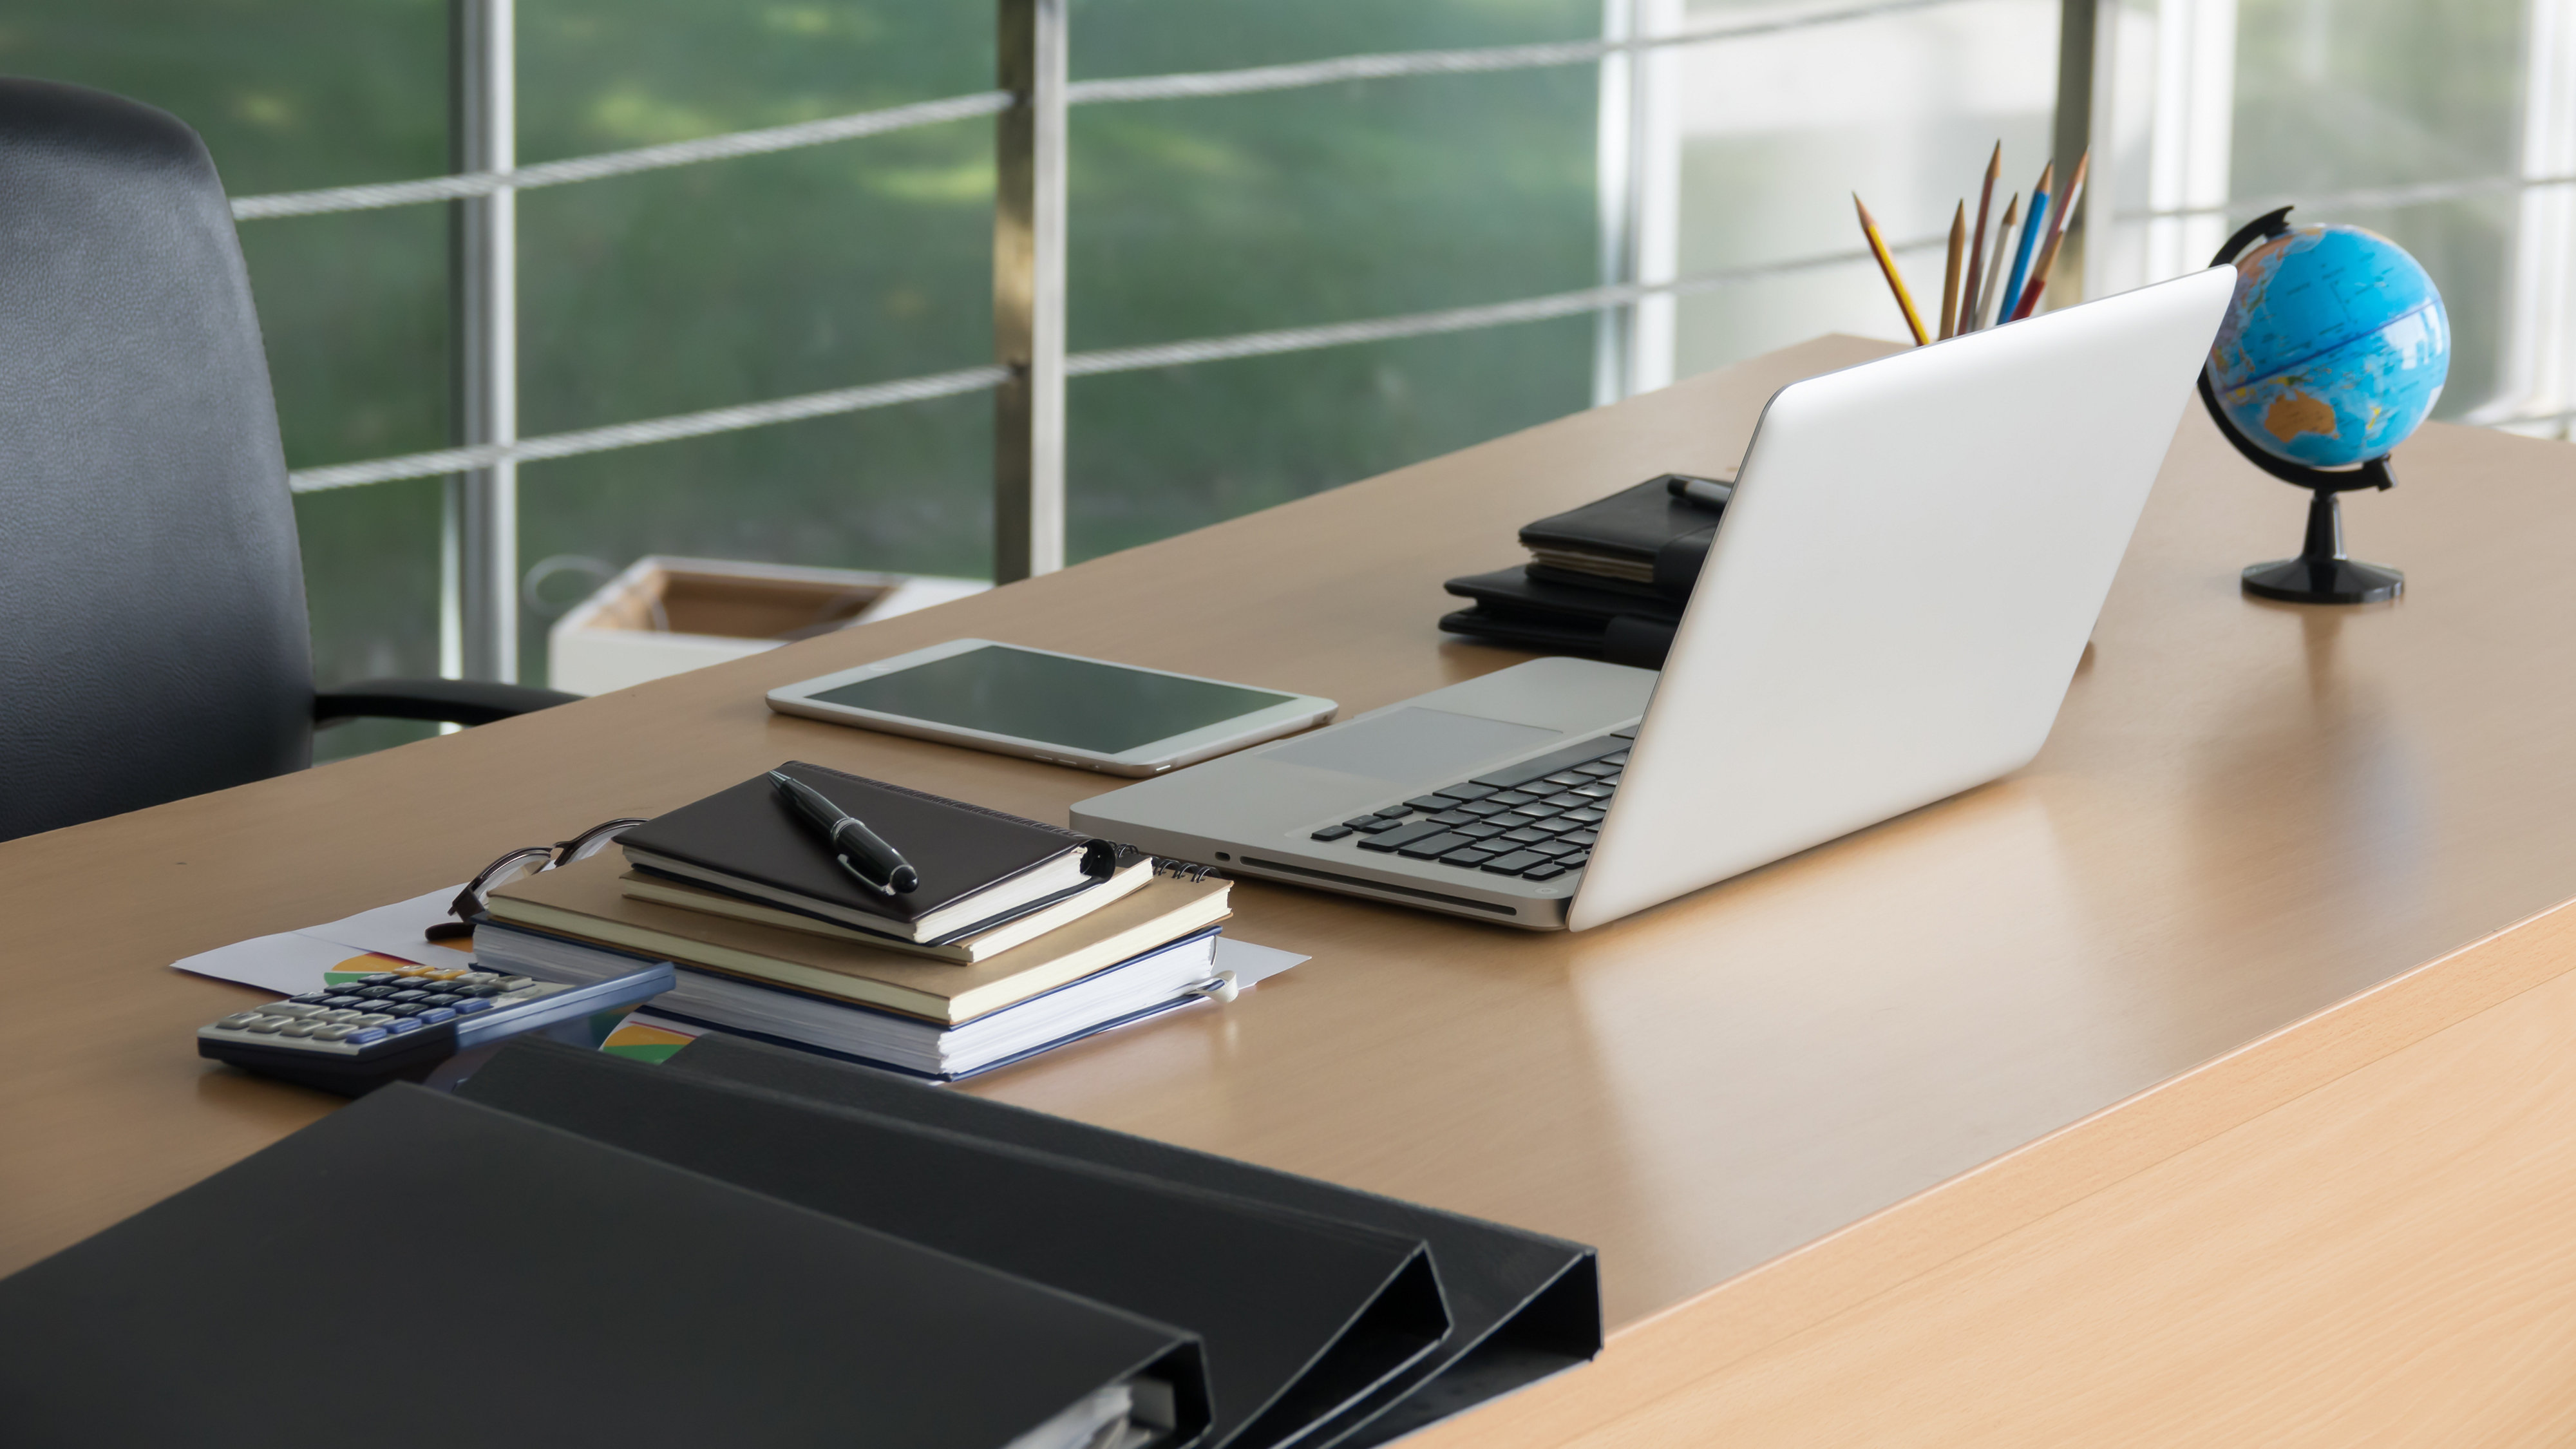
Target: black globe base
[(2321, 574), (2323, 581)]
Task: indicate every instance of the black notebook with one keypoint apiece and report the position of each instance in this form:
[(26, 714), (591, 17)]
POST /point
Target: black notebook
[(1519, 607), (1522, 1305), (979, 867), (418, 1270), (1301, 1316), (1645, 539)]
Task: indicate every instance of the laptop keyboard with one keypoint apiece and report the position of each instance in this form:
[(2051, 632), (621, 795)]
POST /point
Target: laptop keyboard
[(1536, 820)]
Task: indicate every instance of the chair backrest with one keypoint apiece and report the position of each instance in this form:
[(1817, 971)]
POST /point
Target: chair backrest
[(153, 635)]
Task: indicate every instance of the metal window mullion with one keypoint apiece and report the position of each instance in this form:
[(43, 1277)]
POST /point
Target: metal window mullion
[(481, 588), (1029, 291)]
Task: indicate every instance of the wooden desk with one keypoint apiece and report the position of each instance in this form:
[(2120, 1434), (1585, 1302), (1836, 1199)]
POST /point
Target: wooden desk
[(2207, 1081)]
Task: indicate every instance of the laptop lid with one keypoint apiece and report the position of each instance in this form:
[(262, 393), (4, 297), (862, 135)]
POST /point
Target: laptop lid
[(1901, 587)]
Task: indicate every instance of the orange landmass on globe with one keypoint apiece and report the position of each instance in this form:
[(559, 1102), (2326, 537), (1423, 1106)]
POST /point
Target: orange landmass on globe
[(2294, 413)]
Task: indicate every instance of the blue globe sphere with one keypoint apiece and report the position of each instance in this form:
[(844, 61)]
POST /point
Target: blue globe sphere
[(2334, 349)]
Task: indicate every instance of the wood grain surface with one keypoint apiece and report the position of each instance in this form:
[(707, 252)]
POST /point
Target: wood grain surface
[(2248, 813)]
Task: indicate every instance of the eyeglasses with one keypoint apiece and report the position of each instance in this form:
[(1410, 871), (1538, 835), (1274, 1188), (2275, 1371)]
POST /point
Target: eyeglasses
[(518, 865)]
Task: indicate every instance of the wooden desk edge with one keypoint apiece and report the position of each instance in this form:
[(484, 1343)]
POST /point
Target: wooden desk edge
[(1658, 1356)]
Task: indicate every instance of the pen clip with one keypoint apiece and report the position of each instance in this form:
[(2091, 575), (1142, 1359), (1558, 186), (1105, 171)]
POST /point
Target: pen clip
[(861, 877)]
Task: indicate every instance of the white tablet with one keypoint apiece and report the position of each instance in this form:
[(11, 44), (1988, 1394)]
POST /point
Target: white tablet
[(1060, 708)]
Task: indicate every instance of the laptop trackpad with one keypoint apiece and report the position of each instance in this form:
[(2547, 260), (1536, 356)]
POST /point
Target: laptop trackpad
[(1430, 747)]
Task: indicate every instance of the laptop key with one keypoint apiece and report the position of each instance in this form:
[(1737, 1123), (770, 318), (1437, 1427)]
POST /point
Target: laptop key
[(1594, 791), (1465, 791), (1629, 733), (1543, 872), (1429, 803), (1584, 838), (1568, 801), (1512, 797), (1585, 817), (1526, 835), (1482, 809), (1373, 824), (1479, 830), (1403, 835), (1430, 847), (1395, 812), (1597, 769), (1331, 832), (1620, 759), (1571, 862), (1514, 863), (1554, 849), (1517, 819), (1468, 857), (1548, 764), (1450, 817)]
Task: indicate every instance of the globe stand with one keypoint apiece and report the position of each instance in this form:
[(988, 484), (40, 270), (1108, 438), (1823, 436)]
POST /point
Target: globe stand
[(2321, 574)]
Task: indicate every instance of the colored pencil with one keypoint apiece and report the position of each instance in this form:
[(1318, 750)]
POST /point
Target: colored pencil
[(1950, 272), (2030, 229), (1994, 280), (2056, 238), (1970, 314), (1887, 267)]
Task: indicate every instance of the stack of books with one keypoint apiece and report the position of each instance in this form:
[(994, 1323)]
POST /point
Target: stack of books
[(1019, 937), (1608, 579)]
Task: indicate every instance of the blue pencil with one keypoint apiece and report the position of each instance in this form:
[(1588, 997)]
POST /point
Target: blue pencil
[(2029, 236)]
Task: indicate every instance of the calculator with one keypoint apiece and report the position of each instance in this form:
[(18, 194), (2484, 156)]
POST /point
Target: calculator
[(405, 1023)]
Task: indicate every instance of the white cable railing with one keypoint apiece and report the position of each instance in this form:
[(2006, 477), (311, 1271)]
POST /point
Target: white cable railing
[(1245, 81), (1081, 364), (2368, 198)]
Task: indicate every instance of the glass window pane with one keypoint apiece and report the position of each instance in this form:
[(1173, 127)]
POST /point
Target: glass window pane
[(1206, 217), (741, 281), (1778, 131)]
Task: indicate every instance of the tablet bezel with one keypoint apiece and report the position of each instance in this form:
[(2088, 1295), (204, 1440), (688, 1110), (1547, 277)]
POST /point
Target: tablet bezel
[(1297, 712)]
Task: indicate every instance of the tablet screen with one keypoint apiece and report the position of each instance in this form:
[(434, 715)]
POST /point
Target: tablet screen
[(1050, 699)]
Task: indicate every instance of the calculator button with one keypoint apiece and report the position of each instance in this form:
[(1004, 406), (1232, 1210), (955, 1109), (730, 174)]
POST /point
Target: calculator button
[(364, 1035), (476, 978), (269, 1024), (441, 999), (434, 1015), (333, 1032), (398, 1009), (517, 983), (301, 1028), (240, 1019), (294, 1008), (310, 998), (407, 996), (372, 1019), (378, 979), (344, 1001), (399, 1027), (488, 988), (468, 1008)]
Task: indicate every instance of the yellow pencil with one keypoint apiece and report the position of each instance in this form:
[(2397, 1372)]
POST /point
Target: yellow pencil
[(1950, 273), (1887, 265)]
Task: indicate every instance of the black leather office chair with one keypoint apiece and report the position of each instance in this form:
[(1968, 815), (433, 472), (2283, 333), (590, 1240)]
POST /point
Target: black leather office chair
[(153, 637)]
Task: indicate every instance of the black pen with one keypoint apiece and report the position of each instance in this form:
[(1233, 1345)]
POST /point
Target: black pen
[(879, 866)]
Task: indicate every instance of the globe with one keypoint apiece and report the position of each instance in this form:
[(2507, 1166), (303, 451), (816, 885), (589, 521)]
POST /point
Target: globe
[(2334, 349)]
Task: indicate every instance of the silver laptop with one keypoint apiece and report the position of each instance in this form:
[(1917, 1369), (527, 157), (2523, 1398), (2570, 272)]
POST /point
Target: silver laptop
[(1891, 612)]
